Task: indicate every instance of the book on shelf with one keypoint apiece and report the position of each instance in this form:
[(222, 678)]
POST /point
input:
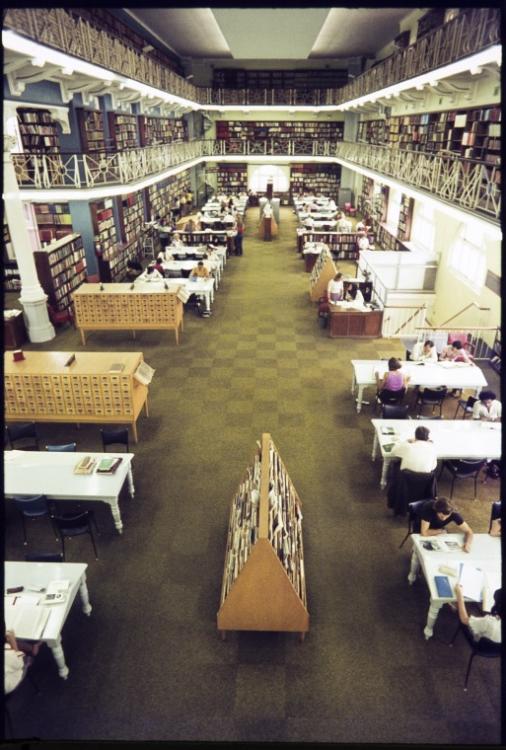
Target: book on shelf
[(109, 465)]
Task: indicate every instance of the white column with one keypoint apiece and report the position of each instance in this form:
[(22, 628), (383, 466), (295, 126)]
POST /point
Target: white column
[(32, 296)]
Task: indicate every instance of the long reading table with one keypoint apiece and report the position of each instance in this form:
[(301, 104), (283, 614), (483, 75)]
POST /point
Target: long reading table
[(451, 374), (51, 473), (202, 287)]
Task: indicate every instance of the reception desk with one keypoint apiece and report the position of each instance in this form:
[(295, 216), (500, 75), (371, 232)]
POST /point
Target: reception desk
[(350, 322)]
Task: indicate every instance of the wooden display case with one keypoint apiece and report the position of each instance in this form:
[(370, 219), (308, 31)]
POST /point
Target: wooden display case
[(44, 388), (355, 323), (323, 271), (264, 585), (61, 268), (119, 308)]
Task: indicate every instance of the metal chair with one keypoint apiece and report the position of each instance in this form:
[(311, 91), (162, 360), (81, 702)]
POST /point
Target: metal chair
[(466, 406), (483, 647), (407, 486), (44, 557), (495, 513), (413, 518), (463, 469), (395, 411), (31, 506), (389, 397), (115, 437), (431, 397), (63, 448), (71, 525), (23, 432)]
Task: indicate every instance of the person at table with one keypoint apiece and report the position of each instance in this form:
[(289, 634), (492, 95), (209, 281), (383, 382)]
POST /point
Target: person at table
[(335, 288), (190, 226), (134, 269), (199, 271), (353, 294), (394, 379), (455, 352), (435, 515), (424, 351), (18, 657), (176, 240), (417, 453), (487, 408), (487, 626)]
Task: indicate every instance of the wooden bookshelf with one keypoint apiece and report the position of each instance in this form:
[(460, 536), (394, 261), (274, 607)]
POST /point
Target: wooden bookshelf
[(161, 196), (104, 227), (123, 130), (232, 178), (91, 129), (255, 130), (114, 307), (342, 245), (112, 263), (405, 218), (43, 388), (39, 132), (323, 271), (373, 131), (264, 584), (159, 130), (195, 239), (61, 268), (315, 178), (132, 216), (53, 221)]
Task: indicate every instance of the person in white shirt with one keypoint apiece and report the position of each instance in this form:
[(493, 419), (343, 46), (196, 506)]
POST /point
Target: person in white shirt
[(363, 242), (18, 657), (332, 205), (487, 408), (418, 453), (424, 352), (335, 288), (488, 626)]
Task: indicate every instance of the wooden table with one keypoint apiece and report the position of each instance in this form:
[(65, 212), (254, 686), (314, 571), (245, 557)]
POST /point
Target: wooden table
[(39, 575), (485, 554), (51, 473), (452, 438), (452, 375)]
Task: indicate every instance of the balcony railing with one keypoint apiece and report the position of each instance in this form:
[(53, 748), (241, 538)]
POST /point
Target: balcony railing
[(468, 184), (474, 29)]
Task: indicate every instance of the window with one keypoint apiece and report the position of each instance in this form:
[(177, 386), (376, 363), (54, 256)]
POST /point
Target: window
[(258, 176), (467, 258), (422, 229)]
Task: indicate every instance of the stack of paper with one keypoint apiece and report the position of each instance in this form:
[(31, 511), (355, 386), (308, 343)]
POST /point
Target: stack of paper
[(472, 581)]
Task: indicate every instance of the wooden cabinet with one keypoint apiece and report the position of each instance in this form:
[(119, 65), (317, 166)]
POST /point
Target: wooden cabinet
[(264, 584), (118, 307), (14, 329), (74, 387), (355, 323)]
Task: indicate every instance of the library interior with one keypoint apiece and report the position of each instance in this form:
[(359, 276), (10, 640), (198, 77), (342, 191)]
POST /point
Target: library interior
[(252, 359)]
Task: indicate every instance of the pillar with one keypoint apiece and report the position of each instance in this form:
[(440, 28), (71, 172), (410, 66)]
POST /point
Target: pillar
[(33, 298)]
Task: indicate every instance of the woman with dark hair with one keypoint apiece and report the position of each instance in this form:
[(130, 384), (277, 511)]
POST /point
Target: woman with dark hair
[(394, 379), (488, 626)]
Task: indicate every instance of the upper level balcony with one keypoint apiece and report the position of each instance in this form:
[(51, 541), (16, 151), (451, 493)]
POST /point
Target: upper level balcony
[(472, 31), (464, 183)]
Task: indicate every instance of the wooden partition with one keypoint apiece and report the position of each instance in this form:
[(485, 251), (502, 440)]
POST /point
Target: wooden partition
[(323, 271), (264, 586)]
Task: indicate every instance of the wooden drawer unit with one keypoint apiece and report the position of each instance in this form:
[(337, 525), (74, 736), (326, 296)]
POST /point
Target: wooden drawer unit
[(118, 307), (42, 388)]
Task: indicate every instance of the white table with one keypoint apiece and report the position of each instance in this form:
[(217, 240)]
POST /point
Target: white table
[(452, 374), (51, 473), (485, 554), (202, 287), (324, 215), (40, 575), (329, 225), (212, 265), (452, 438), (220, 251)]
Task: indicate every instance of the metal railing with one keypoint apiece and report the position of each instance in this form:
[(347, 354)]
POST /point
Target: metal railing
[(478, 340), (468, 184), (474, 29), (402, 320)]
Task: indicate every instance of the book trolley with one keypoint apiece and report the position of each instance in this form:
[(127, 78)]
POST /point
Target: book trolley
[(100, 387), (119, 307), (323, 271), (264, 585)]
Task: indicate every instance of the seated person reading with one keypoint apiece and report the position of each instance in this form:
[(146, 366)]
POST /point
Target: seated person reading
[(18, 657), (200, 271), (394, 379), (134, 269), (435, 515), (424, 352), (488, 626), (335, 288), (418, 453), (456, 353), (353, 294), (487, 408)]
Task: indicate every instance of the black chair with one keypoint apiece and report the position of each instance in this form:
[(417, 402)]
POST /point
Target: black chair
[(389, 397), (495, 513), (62, 448), (117, 436), (483, 647), (463, 469), (179, 256), (407, 486), (22, 433), (31, 507), (44, 557), (395, 411), (431, 397), (173, 274), (413, 518), (466, 406), (71, 525)]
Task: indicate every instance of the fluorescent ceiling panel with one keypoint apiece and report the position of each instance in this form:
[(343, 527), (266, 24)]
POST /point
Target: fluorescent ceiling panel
[(357, 31), (270, 33)]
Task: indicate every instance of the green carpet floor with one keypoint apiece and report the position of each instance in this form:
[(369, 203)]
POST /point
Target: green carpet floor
[(148, 664)]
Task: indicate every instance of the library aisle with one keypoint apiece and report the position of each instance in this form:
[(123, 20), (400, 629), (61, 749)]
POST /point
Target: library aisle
[(149, 663)]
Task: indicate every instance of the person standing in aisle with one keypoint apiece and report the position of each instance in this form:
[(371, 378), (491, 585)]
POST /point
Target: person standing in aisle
[(239, 228), (335, 288)]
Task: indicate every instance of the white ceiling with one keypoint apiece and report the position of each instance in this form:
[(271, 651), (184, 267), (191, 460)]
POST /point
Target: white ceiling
[(271, 33)]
